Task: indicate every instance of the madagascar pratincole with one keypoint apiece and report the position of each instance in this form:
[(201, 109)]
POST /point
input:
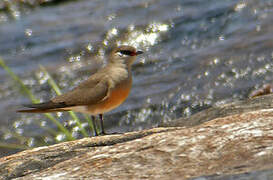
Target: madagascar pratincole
[(100, 93)]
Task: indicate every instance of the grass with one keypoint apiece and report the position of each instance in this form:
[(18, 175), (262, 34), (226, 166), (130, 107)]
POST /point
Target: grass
[(61, 129)]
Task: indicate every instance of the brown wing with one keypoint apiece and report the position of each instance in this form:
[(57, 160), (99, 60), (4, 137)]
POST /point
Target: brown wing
[(90, 91)]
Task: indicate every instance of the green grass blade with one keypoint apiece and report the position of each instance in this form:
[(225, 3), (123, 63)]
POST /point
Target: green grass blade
[(15, 135), (51, 82), (78, 122), (46, 128), (18, 80), (67, 133), (54, 86), (13, 146), (34, 100), (90, 123)]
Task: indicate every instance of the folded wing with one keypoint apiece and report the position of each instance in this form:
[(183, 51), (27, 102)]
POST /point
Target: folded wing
[(89, 92)]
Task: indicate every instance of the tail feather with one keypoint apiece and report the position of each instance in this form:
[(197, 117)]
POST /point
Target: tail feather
[(44, 107), (40, 111)]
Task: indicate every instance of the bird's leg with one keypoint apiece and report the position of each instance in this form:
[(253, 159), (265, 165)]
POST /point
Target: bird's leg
[(101, 124), (93, 118)]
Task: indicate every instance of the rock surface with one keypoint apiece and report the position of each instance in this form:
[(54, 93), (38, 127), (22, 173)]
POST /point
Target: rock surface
[(248, 105), (237, 142)]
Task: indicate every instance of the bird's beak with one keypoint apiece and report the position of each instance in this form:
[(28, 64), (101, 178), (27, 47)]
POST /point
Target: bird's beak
[(139, 52)]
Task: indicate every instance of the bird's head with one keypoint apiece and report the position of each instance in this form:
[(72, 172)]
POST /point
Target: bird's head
[(124, 54)]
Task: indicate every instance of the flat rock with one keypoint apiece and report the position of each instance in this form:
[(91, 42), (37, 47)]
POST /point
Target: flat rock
[(234, 143)]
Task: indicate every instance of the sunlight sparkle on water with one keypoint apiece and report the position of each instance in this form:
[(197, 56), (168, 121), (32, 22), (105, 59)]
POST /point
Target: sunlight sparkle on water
[(221, 38), (31, 142), (158, 27), (76, 58), (43, 77), (17, 124), (28, 32), (111, 17), (59, 114), (60, 137), (240, 6), (89, 47), (7, 136), (112, 32), (149, 37)]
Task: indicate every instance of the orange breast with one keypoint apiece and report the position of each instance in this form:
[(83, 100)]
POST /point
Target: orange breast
[(117, 97)]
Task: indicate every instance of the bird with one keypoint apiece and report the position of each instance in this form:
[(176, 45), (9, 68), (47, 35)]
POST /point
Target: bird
[(102, 92)]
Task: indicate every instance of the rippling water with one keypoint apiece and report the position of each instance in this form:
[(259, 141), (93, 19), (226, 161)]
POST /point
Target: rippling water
[(197, 54)]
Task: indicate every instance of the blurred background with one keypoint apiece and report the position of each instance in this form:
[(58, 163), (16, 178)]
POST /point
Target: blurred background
[(197, 54)]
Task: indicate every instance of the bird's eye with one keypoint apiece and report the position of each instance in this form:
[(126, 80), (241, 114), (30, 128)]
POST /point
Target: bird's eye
[(124, 52)]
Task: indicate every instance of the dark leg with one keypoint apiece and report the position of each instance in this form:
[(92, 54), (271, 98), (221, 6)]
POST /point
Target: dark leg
[(93, 118), (101, 124)]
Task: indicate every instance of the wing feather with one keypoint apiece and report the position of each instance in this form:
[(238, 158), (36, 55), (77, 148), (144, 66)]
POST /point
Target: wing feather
[(91, 91), (83, 95)]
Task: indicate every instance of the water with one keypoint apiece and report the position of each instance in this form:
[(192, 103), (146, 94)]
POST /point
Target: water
[(197, 54)]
